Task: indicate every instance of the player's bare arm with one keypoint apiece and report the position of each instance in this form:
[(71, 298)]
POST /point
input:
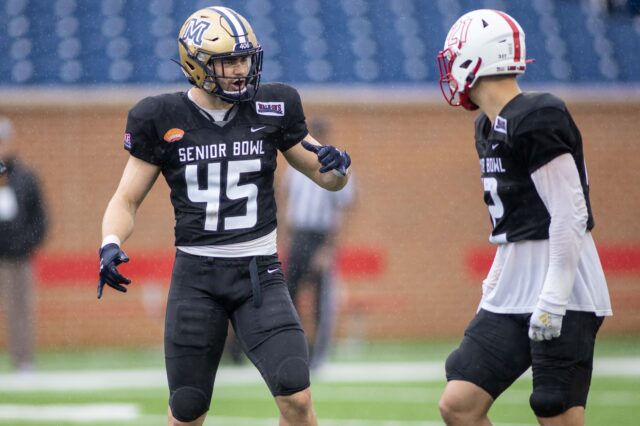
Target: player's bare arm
[(137, 179), (308, 160), (117, 224)]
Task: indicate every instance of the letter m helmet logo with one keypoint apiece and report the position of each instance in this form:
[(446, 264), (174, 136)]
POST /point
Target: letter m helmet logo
[(194, 31)]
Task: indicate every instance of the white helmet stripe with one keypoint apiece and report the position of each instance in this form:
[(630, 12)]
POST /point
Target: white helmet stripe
[(236, 25)]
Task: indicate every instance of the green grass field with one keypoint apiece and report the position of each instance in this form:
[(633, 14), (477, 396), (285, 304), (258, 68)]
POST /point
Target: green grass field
[(614, 399)]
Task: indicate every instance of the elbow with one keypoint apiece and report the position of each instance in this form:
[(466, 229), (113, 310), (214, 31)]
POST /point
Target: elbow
[(338, 185), (331, 182)]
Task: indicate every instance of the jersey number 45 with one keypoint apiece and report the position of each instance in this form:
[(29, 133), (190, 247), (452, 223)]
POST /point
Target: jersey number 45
[(233, 191)]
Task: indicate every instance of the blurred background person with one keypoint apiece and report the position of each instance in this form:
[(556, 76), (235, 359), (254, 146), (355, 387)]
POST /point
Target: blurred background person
[(23, 223), (314, 220)]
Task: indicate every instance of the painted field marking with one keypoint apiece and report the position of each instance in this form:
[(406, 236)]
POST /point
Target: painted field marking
[(69, 412), (80, 381), (250, 421)]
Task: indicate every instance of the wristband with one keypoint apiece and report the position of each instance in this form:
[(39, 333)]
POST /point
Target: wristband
[(337, 173), (109, 239)]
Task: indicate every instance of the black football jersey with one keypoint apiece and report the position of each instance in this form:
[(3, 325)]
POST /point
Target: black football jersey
[(531, 130), (220, 176)]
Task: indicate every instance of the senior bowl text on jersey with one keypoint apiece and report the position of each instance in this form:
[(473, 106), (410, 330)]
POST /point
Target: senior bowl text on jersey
[(220, 172)]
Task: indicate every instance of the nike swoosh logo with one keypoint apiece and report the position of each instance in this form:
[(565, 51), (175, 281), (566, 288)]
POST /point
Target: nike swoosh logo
[(494, 146), (271, 271), (255, 129)]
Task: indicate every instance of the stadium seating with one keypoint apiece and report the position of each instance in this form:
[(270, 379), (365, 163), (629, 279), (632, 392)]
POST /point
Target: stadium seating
[(349, 42)]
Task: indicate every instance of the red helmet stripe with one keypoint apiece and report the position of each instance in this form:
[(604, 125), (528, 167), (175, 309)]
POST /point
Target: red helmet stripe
[(516, 35)]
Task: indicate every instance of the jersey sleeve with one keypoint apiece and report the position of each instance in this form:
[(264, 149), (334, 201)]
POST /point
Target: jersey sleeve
[(141, 138), (295, 126), (542, 136)]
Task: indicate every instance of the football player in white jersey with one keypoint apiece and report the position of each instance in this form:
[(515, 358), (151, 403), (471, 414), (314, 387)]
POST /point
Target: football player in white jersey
[(545, 296)]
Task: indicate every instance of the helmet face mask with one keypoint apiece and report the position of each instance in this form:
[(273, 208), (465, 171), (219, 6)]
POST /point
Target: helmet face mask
[(480, 43), (448, 85), (209, 42)]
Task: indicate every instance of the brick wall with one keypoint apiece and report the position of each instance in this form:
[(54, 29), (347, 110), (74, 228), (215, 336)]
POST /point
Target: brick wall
[(419, 207)]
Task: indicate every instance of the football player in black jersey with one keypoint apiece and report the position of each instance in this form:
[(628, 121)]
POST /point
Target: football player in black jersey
[(216, 146), (545, 296)]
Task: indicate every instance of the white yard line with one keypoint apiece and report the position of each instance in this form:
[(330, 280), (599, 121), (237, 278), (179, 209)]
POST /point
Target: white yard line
[(127, 414), (69, 412), (250, 421), (247, 421), (412, 395), (335, 373)]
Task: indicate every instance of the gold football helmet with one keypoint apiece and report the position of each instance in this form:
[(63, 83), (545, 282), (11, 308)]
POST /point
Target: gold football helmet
[(218, 33)]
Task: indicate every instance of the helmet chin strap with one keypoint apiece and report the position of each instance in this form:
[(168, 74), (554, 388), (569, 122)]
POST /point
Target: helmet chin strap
[(231, 96), (466, 103), (465, 100)]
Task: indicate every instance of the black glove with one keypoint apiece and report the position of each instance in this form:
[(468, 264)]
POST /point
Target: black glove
[(330, 157), (110, 257), (3, 168)]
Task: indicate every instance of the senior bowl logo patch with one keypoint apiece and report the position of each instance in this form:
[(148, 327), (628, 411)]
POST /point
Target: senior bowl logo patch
[(500, 125), (173, 135), (270, 108), (127, 140)]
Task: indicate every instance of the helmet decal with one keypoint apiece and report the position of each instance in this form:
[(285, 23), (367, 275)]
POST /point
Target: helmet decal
[(195, 30), (458, 33)]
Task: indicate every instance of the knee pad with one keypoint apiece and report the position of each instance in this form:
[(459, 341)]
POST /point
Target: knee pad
[(547, 404), (187, 404), (292, 375), (452, 365)]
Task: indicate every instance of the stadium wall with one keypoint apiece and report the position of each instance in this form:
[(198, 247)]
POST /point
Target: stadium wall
[(415, 248)]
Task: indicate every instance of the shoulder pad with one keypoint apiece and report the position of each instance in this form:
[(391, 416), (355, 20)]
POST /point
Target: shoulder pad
[(276, 91), (538, 100), (153, 105)]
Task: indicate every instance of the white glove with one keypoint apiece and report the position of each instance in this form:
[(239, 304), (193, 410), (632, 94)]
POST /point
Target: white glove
[(544, 325)]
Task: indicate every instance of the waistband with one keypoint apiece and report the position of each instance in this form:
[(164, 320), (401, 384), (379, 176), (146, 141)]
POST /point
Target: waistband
[(229, 260)]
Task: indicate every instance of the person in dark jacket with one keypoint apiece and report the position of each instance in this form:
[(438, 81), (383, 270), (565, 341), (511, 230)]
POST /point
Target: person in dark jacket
[(22, 229)]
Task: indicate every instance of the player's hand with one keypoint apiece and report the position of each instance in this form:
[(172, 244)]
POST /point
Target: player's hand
[(110, 257), (331, 158), (544, 325)]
